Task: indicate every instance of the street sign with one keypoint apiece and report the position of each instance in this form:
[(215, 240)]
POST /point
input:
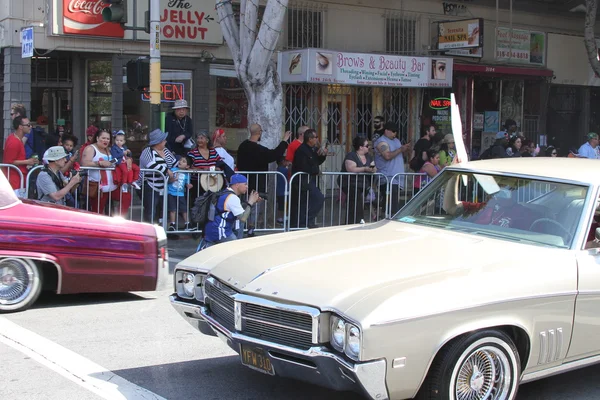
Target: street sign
[(27, 42)]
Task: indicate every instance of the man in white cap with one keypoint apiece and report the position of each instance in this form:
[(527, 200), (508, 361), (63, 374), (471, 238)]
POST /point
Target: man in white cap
[(51, 187), (179, 127)]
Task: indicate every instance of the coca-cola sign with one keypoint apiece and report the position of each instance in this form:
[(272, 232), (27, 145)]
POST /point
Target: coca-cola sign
[(84, 17)]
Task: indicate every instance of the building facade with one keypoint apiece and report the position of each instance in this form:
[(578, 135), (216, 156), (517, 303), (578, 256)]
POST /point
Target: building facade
[(522, 64)]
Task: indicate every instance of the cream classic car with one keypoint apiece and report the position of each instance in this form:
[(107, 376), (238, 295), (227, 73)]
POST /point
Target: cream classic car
[(487, 279)]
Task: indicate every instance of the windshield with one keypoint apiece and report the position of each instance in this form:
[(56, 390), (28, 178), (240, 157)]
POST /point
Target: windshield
[(8, 198), (498, 206)]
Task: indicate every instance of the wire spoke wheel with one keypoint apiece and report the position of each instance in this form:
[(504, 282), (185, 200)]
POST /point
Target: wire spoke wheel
[(484, 375), (19, 283)]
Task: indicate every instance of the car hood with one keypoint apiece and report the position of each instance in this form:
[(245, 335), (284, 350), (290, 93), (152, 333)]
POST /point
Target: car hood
[(64, 218), (337, 268)]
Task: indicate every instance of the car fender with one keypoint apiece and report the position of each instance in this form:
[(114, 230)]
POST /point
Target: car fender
[(45, 257)]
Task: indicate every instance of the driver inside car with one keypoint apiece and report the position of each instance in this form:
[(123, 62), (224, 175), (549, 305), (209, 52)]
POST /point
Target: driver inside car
[(501, 209)]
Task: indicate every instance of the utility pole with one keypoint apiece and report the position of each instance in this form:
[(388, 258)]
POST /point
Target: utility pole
[(155, 91)]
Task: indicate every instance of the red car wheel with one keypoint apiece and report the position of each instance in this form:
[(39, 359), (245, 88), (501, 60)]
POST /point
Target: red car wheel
[(20, 284)]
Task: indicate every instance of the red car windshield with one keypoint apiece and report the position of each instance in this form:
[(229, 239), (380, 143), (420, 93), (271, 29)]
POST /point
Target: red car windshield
[(8, 198)]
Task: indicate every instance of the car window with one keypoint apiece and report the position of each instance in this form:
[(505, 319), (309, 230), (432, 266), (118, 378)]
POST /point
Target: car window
[(8, 198), (500, 206)]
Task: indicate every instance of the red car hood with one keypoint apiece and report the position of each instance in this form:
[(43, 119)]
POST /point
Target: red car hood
[(66, 218)]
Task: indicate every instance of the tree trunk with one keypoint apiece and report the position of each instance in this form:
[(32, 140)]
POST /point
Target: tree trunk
[(265, 107), (252, 53), (591, 7)]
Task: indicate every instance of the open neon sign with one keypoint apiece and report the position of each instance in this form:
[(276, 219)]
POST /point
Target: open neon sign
[(170, 92)]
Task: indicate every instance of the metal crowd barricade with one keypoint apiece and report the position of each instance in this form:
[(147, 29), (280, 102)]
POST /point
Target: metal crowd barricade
[(30, 182), (267, 216), (270, 215), (180, 216), (348, 198), (402, 188), (144, 205), (9, 169)]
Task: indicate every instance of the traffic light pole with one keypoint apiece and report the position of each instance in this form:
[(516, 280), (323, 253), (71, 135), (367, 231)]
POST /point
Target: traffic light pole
[(155, 92)]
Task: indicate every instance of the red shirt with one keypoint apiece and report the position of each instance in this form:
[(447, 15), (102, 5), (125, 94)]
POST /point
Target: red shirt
[(14, 150), (492, 213), (291, 150)]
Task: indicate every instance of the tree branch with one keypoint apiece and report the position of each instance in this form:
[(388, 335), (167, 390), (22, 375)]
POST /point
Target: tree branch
[(230, 29), (248, 26), (268, 35), (591, 8)]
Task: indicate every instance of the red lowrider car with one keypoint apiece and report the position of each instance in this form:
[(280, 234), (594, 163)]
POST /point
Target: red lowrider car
[(49, 247)]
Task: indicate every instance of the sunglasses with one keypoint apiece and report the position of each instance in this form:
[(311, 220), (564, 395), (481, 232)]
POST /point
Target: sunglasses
[(554, 153), (26, 125)]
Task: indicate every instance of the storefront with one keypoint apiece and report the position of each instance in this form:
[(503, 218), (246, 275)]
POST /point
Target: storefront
[(488, 95), (340, 93)]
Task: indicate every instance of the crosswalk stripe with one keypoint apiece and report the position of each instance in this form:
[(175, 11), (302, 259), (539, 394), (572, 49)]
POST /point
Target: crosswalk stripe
[(71, 365)]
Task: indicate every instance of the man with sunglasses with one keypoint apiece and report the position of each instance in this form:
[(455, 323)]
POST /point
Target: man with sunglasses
[(14, 153)]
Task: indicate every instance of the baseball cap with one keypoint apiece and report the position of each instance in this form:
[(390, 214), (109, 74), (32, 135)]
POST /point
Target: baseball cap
[(592, 135), (500, 135), (237, 178), (54, 153), (390, 126)]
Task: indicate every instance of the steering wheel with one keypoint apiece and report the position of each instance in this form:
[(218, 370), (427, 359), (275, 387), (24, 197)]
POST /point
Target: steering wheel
[(565, 234)]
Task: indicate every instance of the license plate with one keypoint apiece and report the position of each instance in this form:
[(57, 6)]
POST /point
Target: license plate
[(257, 359)]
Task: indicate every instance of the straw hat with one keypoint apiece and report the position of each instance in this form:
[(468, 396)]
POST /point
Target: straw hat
[(211, 182)]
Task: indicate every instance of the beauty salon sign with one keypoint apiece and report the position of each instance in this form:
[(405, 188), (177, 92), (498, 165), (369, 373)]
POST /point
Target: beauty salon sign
[(334, 67)]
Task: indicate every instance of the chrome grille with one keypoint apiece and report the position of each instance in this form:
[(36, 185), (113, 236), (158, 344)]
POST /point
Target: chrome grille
[(285, 327), (220, 302), (279, 326)]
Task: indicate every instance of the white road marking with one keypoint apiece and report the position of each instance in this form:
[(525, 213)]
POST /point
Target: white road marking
[(71, 365)]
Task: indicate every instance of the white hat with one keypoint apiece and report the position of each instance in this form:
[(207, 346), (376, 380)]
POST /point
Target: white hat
[(211, 182), (180, 104), (55, 153)]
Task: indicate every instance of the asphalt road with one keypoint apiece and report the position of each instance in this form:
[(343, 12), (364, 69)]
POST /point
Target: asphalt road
[(136, 343)]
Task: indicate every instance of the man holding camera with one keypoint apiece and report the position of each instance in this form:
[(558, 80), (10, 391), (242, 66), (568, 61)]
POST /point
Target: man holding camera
[(51, 187)]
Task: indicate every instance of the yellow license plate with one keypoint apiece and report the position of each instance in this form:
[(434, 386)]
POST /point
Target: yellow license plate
[(257, 359)]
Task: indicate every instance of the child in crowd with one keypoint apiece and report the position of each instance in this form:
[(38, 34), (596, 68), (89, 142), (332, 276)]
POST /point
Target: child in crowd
[(69, 142), (177, 193), (122, 174), (282, 168)]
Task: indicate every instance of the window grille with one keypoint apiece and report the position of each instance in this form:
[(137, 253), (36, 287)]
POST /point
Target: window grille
[(305, 25), (304, 105), (401, 33)]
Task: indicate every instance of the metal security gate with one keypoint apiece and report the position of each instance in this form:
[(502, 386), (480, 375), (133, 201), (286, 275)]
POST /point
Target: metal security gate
[(339, 113)]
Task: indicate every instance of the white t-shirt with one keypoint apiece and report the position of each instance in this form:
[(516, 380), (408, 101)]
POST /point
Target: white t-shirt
[(226, 157), (233, 204)]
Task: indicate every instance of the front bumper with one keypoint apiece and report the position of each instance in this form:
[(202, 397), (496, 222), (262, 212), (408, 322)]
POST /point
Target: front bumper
[(317, 365)]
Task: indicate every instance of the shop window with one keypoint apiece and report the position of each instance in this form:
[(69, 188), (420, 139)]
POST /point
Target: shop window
[(232, 105), (400, 34), (51, 67), (174, 84), (100, 93), (305, 26)]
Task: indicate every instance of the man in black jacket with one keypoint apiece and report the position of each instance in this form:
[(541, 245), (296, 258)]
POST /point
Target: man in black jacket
[(304, 187), (178, 125), (253, 157)]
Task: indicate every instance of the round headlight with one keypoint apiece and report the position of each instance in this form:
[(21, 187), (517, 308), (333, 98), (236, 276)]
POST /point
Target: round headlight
[(353, 342), (188, 284), (338, 333)]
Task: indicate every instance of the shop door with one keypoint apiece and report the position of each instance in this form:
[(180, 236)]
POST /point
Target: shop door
[(338, 130)]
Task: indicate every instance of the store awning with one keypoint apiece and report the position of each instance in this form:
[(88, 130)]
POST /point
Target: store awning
[(501, 70)]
